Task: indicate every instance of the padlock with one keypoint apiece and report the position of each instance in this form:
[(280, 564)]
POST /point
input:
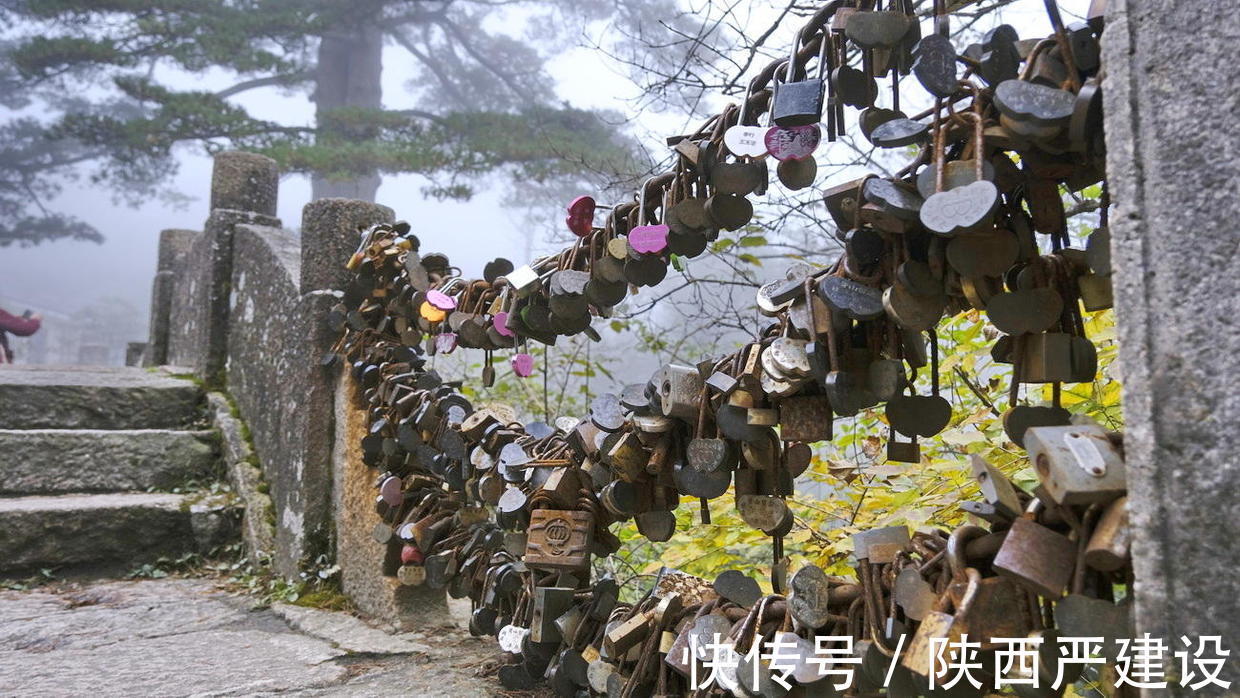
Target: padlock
[(798, 102), (805, 418), (559, 539), (679, 388), (1077, 464), (1108, 548), (1046, 357), (997, 490), (1000, 609), (880, 545), (919, 656), (549, 604), (1037, 558)]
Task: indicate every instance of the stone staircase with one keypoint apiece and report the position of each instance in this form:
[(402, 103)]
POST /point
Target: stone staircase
[(89, 457)]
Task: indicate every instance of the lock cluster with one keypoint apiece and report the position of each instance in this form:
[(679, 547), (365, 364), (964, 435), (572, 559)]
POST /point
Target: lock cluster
[(512, 514)]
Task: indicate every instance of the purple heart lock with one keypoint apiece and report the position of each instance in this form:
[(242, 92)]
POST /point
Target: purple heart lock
[(445, 342), (649, 239), (523, 365), (794, 142), (500, 321), (441, 300)]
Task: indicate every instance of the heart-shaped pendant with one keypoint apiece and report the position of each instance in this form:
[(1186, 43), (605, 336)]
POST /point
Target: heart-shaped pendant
[(580, 218), (440, 300), (445, 342), (500, 322), (747, 141), (919, 415), (792, 143), (648, 239), (523, 365)]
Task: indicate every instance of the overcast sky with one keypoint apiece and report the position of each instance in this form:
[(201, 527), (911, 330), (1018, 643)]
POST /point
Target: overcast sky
[(65, 276)]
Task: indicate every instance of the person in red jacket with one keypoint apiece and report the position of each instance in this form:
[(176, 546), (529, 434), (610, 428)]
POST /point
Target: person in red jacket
[(22, 326)]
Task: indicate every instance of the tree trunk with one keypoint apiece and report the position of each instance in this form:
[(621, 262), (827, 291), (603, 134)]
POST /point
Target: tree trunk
[(350, 64)]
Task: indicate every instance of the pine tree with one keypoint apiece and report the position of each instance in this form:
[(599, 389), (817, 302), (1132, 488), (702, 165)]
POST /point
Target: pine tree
[(108, 88)]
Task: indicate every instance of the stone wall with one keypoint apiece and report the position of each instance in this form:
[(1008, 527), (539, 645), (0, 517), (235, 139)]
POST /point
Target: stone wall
[(243, 305), (1169, 104)]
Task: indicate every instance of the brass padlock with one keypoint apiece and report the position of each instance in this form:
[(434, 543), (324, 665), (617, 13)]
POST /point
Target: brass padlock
[(559, 539), (1108, 548)]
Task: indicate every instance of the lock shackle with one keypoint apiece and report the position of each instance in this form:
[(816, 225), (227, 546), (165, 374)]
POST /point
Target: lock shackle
[(956, 544)]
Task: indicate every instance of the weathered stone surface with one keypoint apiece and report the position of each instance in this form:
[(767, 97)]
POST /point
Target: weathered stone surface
[(174, 245), (329, 236), (359, 557), (275, 341), (80, 397), (245, 182), (177, 637), (349, 633), (198, 316), (165, 638), (258, 514), (56, 461), (101, 530), (1170, 104)]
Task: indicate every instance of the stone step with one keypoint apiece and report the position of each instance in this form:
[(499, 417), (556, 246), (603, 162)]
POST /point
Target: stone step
[(107, 533), (63, 461), (91, 397)]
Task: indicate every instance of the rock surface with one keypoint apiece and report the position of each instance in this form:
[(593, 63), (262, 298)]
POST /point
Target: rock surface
[(183, 637), (91, 397), (55, 461)]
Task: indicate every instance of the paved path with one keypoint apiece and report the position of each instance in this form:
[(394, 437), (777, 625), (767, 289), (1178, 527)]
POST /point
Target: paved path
[(187, 637)]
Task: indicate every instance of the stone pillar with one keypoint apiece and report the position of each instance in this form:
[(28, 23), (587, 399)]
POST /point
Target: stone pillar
[(245, 182), (174, 245), (243, 190), (329, 236), (1171, 104)]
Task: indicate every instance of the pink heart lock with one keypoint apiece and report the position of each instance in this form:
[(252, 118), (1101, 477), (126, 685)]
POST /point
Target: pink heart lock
[(441, 300), (445, 342), (523, 365), (649, 239), (500, 322), (793, 143)]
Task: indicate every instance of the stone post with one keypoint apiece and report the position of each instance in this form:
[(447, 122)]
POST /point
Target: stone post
[(303, 494), (1171, 104), (174, 245), (244, 187), (329, 235)]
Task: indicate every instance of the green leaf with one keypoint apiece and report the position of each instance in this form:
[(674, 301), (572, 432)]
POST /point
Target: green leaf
[(677, 262), (752, 241), (749, 259)]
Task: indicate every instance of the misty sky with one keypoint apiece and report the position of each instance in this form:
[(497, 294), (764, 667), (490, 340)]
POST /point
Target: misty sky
[(64, 276)]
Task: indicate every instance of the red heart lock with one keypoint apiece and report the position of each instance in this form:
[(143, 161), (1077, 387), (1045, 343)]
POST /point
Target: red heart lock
[(580, 218)]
